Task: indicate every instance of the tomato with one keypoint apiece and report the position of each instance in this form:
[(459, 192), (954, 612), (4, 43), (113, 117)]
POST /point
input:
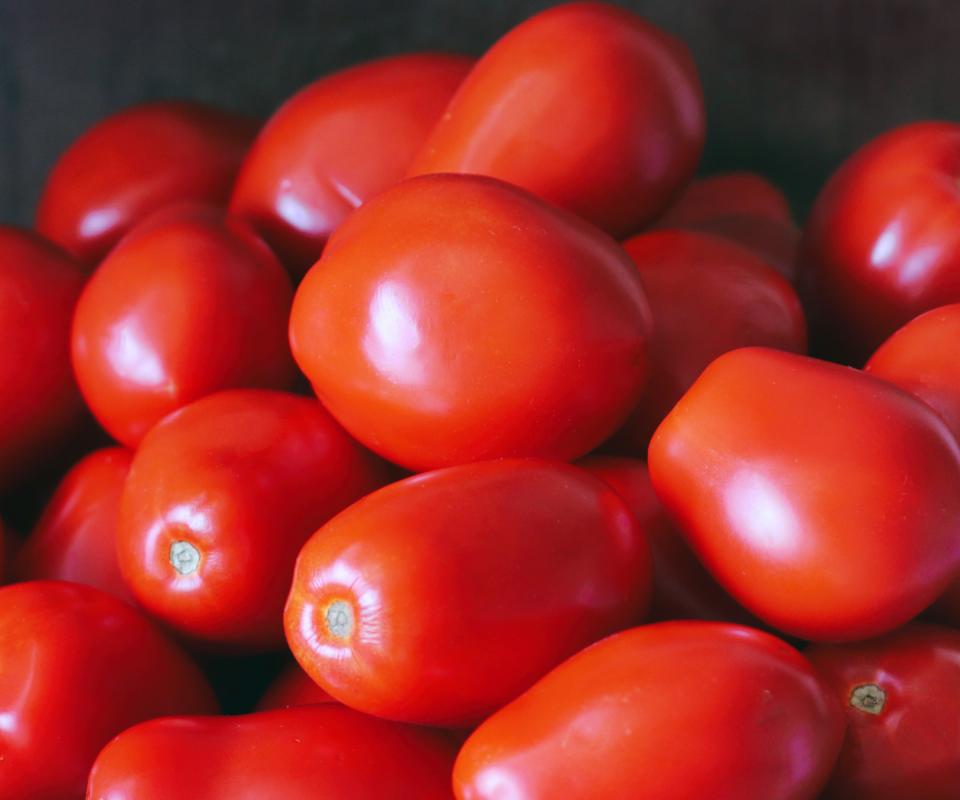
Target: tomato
[(493, 326), (737, 194), (75, 538), (586, 105), (823, 499), (219, 499), (320, 752), (188, 303), (78, 667), (776, 243), (293, 687), (672, 711), (881, 244), (136, 162), (902, 699), (338, 142), (707, 296), (439, 598), (39, 402)]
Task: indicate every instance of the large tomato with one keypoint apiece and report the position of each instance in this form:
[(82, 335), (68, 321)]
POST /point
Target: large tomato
[(443, 596), (672, 711), (136, 162), (825, 500), (293, 687), (338, 142), (455, 318)]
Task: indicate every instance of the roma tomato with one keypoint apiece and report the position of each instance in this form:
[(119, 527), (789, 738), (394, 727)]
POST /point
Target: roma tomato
[(78, 667), (220, 497), (293, 687), (902, 699), (586, 105), (320, 752), (188, 303), (671, 711), (825, 500), (338, 142), (493, 326), (441, 597), (739, 194), (75, 538), (136, 162)]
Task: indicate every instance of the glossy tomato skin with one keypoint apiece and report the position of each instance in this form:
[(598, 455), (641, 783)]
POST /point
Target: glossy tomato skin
[(75, 537), (611, 129), (740, 194), (188, 303), (322, 752), (901, 694), (493, 326), (293, 687), (337, 143), (79, 666), (825, 500), (134, 163), (219, 499), (882, 244), (441, 597), (670, 711)]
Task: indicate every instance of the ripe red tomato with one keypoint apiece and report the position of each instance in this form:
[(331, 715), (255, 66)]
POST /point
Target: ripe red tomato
[(776, 243), (726, 194), (441, 597), (320, 752), (136, 162), (672, 711), (586, 105), (902, 699), (75, 538), (219, 499), (39, 402), (293, 687), (493, 326), (188, 303), (825, 500), (707, 296), (338, 142), (78, 667), (881, 245)]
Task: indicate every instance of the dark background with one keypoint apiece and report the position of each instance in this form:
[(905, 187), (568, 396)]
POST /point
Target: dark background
[(791, 86)]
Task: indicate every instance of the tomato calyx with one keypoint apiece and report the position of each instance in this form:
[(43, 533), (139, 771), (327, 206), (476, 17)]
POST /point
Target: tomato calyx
[(338, 617), (868, 698), (184, 557)]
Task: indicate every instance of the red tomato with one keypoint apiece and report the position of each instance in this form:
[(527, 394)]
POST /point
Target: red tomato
[(318, 752), (739, 194), (188, 303), (136, 162), (293, 687), (881, 244), (338, 142), (441, 597), (220, 498), (493, 326), (586, 105), (902, 699), (78, 667), (75, 538), (673, 711), (707, 296), (39, 403), (776, 243), (823, 499)]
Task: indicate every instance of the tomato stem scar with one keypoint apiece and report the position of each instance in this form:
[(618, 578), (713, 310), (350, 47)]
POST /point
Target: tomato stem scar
[(184, 557), (339, 619), (869, 698)]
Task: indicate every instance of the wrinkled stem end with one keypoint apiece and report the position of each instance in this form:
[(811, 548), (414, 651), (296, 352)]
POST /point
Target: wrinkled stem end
[(184, 557), (868, 698), (339, 619)]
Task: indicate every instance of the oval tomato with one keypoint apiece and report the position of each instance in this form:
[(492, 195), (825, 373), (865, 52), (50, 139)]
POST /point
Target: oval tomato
[(293, 687), (739, 194), (825, 500), (441, 597), (671, 711)]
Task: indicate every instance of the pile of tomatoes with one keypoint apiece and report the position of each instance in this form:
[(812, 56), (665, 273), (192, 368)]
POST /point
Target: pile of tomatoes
[(452, 381)]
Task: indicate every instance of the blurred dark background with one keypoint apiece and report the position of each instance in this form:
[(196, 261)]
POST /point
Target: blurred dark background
[(792, 86)]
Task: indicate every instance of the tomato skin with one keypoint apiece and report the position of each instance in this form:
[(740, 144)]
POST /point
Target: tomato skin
[(669, 711), (321, 752), (293, 687), (611, 130), (463, 586), (324, 152), (421, 344), (188, 303), (75, 538), (740, 194), (823, 499), (909, 745), (79, 666), (776, 243), (219, 499), (134, 163)]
